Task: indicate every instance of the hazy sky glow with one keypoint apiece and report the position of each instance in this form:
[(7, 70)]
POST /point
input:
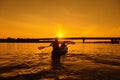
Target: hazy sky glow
[(49, 18)]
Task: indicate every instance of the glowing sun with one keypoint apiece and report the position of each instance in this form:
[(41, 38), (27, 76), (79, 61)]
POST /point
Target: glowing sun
[(60, 35)]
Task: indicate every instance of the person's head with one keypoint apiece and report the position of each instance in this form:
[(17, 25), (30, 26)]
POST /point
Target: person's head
[(63, 42), (56, 39)]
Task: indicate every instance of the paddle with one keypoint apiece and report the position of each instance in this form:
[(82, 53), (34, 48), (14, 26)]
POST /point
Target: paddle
[(42, 47), (68, 42)]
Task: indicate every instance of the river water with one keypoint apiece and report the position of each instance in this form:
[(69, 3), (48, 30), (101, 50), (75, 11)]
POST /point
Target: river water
[(89, 61)]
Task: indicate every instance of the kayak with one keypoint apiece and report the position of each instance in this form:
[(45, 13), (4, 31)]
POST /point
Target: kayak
[(63, 51)]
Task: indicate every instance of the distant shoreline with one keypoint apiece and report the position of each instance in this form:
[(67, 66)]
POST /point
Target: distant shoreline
[(52, 41), (49, 40)]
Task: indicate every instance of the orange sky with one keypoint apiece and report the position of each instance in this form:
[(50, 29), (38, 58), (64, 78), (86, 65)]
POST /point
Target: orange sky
[(49, 18)]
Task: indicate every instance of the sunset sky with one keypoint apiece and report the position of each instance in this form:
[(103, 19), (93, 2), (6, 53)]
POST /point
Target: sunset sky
[(50, 18)]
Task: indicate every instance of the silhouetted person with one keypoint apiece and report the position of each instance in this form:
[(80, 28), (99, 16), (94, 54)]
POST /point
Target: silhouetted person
[(64, 48), (63, 51), (55, 52)]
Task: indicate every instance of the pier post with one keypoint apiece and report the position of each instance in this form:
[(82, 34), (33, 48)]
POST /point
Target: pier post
[(114, 41), (83, 40)]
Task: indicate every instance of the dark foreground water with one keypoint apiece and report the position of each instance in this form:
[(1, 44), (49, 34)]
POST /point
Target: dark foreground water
[(23, 61)]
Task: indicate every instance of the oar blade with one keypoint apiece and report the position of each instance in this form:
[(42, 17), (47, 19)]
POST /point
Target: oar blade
[(41, 47), (70, 42)]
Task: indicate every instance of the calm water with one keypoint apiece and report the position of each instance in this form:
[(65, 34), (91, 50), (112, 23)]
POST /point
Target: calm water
[(25, 58)]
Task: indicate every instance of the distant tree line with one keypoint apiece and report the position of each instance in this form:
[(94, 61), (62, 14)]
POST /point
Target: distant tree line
[(9, 39)]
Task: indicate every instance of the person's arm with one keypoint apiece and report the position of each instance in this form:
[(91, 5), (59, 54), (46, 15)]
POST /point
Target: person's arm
[(51, 44)]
